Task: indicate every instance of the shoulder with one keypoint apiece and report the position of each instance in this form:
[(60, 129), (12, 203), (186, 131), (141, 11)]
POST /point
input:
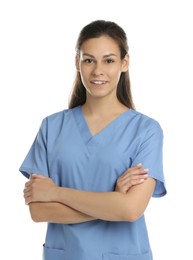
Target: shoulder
[(56, 119), (57, 115), (145, 121), (144, 125)]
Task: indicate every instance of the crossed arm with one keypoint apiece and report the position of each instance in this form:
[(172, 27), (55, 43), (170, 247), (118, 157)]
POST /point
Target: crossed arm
[(50, 203)]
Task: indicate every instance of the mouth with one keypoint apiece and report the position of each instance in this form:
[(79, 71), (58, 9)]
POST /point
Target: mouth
[(98, 82)]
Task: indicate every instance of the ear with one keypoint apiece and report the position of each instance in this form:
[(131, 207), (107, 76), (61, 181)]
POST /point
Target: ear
[(125, 63), (77, 60)]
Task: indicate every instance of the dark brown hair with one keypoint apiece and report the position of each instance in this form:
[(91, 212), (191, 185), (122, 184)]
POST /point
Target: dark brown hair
[(94, 30)]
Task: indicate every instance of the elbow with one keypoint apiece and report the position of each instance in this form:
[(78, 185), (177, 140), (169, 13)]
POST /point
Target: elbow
[(36, 218), (131, 215), (35, 213)]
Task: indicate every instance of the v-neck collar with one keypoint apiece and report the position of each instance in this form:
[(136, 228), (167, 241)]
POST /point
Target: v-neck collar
[(84, 128)]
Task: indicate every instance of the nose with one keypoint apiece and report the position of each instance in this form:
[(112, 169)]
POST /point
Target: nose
[(97, 69)]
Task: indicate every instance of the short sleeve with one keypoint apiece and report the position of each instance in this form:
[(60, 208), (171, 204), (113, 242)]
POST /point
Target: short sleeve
[(36, 159), (150, 154)]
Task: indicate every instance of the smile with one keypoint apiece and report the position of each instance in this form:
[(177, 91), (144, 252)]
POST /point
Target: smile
[(98, 82)]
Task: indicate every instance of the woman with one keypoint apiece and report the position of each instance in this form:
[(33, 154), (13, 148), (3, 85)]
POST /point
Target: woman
[(94, 167)]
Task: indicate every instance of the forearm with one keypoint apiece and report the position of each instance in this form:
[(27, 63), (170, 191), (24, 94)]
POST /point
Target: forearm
[(109, 206), (56, 213)]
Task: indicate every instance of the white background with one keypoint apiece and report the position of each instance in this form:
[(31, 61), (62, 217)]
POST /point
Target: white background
[(37, 49)]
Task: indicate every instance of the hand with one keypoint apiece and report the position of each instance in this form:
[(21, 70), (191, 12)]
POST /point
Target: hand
[(39, 188), (133, 176)]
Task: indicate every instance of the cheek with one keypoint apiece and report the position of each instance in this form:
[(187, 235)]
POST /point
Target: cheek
[(84, 72), (115, 74), (84, 77)]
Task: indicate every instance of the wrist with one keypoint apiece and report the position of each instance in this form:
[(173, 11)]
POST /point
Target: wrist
[(56, 195)]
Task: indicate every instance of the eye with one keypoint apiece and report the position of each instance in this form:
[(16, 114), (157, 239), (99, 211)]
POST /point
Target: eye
[(88, 61), (109, 61)]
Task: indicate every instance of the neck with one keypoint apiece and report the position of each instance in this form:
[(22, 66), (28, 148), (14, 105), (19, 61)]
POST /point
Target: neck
[(103, 106)]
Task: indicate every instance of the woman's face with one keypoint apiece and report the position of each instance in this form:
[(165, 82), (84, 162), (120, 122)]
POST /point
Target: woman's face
[(100, 66)]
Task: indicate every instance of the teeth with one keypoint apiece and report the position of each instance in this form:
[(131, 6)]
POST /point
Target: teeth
[(98, 82)]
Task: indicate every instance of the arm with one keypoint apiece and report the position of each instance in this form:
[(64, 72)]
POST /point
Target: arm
[(57, 213), (109, 205)]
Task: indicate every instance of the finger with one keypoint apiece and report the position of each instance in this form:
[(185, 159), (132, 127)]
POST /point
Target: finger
[(130, 182), (129, 178), (37, 176), (132, 169), (136, 166), (28, 183), (137, 171), (27, 200), (142, 173), (27, 196), (135, 182), (124, 188), (135, 178), (26, 191)]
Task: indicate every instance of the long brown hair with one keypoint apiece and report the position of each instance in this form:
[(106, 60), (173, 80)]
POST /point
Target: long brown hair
[(94, 30)]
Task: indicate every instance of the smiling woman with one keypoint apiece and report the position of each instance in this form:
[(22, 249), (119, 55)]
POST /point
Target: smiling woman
[(94, 167), (100, 69), (116, 35)]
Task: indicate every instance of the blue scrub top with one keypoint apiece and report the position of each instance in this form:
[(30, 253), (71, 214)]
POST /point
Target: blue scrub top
[(65, 150)]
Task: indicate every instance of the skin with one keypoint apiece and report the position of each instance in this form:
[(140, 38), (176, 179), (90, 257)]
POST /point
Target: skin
[(100, 67), (46, 202)]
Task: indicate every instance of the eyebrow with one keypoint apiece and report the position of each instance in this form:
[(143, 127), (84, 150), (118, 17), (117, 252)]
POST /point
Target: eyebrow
[(105, 56)]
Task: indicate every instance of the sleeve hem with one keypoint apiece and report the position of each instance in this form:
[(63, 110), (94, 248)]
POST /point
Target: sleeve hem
[(159, 195), (28, 171)]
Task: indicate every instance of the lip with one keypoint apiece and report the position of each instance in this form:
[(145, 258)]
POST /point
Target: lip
[(98, 82)]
